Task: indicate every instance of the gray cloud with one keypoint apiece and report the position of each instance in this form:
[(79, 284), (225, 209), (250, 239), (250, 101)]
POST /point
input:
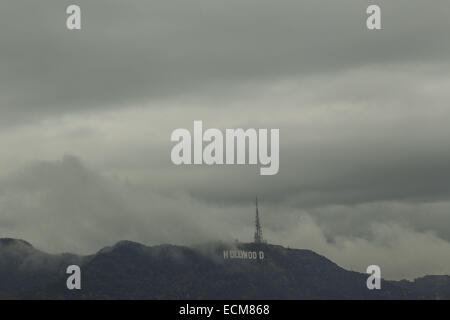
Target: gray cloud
[(64, 206), (143, 50), (363, 118)]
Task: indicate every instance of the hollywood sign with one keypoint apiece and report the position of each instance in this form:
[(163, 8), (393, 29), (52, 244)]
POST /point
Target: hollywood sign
[(243, 255)]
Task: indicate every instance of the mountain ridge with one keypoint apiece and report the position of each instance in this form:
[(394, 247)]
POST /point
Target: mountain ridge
[(217, 270)]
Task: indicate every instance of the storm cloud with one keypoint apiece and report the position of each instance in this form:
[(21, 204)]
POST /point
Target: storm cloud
[(148, 49), (86, 118)]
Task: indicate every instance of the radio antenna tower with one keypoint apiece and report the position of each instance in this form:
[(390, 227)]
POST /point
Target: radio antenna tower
[(258, 228)]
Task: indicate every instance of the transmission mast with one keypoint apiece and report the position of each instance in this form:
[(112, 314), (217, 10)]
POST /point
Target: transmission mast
[(258, 228)]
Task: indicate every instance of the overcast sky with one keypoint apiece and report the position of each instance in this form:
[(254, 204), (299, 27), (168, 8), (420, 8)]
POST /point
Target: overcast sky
[(86, 118)]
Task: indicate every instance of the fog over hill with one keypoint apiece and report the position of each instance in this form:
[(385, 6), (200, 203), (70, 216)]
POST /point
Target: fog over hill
[(129, 270)]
